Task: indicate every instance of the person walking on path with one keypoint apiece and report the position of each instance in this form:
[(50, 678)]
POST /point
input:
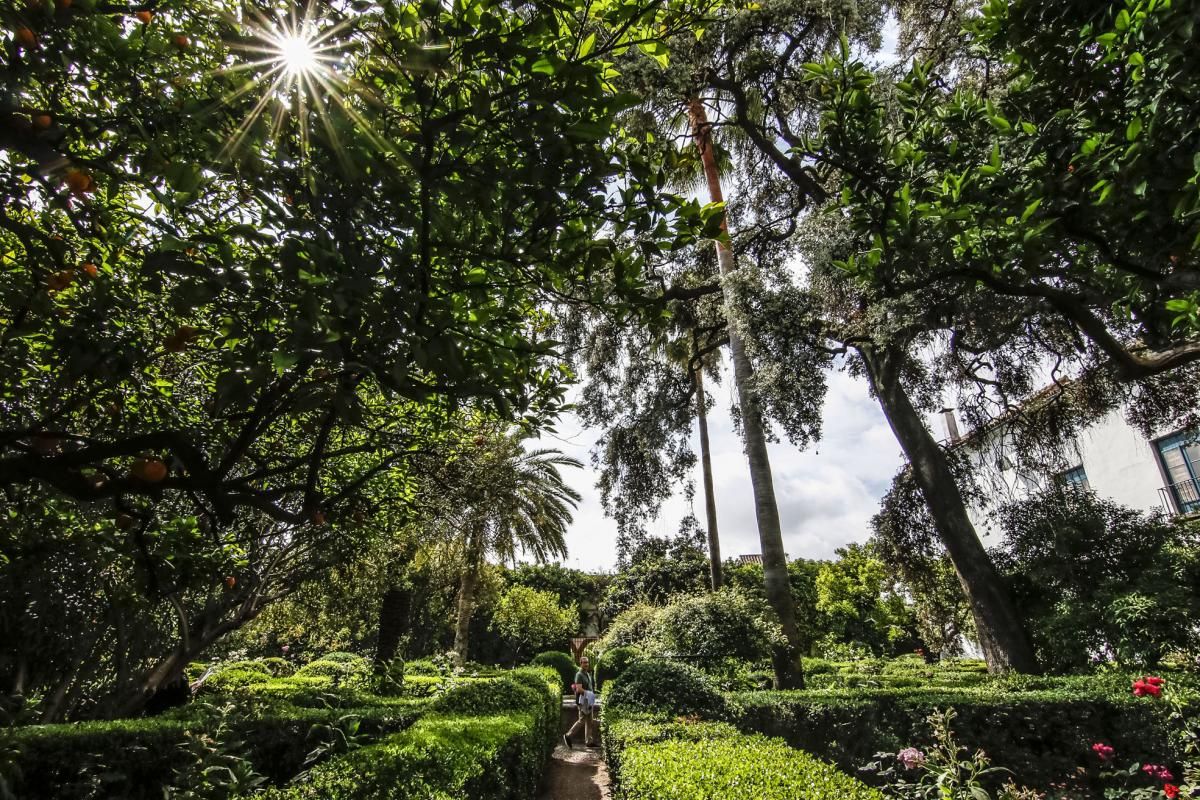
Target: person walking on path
[(585, 700)]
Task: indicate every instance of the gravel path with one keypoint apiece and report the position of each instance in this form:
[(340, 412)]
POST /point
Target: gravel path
[(576, 774)]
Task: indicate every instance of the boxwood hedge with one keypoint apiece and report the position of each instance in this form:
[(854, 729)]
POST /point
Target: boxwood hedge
[(135, 759), (487, 740), (1042, 735), (654, 758)]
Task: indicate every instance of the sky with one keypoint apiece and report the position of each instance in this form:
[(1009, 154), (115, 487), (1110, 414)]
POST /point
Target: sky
[(826, 494)]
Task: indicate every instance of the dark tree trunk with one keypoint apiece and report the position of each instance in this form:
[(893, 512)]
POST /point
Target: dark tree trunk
[(789, 671), (710, 497), (1001, 634), (393, 622)]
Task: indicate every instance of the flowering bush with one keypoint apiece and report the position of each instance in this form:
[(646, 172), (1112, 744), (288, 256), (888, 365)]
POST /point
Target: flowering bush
[(947, 771), (1131, 781)]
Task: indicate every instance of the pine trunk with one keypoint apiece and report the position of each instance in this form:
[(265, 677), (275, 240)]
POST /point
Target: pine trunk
[(710, 498), (1002, 636), (789, 673)]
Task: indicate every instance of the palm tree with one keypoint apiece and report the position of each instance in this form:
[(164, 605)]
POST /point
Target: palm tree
[(513, 501), (788, 670)]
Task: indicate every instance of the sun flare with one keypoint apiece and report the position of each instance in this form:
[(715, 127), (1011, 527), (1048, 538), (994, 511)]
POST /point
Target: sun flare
[(298, 54)]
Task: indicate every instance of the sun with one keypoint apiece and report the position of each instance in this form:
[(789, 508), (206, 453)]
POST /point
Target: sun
[(298, 54)]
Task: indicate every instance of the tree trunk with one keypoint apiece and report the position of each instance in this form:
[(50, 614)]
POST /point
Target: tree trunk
[(789, 672), (1001, 634), (710, 498), (393, 622), (473, 559)]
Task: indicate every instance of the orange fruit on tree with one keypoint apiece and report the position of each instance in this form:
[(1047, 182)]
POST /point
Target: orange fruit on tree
[(79, 182), (42, 121), (26, 37), (150, 469), (60, 280), (181, 41), (91, 269), (230, 581), (144, 17)]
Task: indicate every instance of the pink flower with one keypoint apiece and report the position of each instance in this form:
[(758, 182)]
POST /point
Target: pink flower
[(911, 757), (1158, 772), (1104, 751), (1171, 791)]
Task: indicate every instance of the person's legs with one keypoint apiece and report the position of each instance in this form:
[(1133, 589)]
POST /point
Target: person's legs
[(583, 720), (589, 730)]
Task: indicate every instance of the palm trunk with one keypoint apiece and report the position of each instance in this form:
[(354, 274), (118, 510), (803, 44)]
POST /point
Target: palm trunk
[(1002, 636), (789, 672), (466, 594), (710, 498)]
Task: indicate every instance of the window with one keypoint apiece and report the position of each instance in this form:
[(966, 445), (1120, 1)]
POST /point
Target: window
[(1180, 456), (1074, 478)]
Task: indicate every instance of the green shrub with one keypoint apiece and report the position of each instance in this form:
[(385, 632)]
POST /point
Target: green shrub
[(613, 663), (134, 759), (422, 666), (714, 629), (458, 750), (733, 768), (1091, 576), (338, 657), (1042, 735), (667, 687), (560, 662), (231, 678), (342, 667), (279, 667), (631, 627)]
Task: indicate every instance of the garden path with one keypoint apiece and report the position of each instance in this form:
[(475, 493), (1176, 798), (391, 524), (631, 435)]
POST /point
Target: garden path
[(577, 774)]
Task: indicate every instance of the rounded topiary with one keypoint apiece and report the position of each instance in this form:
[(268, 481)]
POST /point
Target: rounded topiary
[(560, 662), (279, 667), (342, 666), (613, 663), (665, 687), (484, 697)]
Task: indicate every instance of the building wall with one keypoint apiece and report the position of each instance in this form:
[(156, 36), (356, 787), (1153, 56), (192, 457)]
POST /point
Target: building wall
[(1121, 465)]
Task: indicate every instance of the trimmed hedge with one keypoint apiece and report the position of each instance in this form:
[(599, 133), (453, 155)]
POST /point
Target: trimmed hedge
[(137, 757), (452, 752), (613, 663), (1041, 735), (134, 759), (734, 768), (653, 758), (560, 662)]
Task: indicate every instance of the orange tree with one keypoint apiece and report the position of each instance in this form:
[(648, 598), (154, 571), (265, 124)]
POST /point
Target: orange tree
[(254, 257)]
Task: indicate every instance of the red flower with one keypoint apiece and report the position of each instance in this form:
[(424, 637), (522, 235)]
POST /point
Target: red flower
[(1153, 680), (1104, 751), (1157, 772), (1171, 791), (1149, 685)]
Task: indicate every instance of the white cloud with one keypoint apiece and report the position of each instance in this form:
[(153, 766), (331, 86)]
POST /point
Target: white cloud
[(826, 495)]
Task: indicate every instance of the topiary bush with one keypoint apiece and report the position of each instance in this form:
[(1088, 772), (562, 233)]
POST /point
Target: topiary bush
[(345, 667), (613, 663), (667, 687), (631, 627), (560, 662)]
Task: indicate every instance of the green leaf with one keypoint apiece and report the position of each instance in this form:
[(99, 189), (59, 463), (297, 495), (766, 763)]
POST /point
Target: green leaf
[(1133, 129)]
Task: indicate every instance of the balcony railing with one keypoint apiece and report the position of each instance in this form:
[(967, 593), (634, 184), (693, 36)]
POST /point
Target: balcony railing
[(1182, 497)]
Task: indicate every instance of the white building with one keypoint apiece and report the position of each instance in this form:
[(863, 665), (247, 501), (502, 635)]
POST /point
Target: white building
[(1110, 457)]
